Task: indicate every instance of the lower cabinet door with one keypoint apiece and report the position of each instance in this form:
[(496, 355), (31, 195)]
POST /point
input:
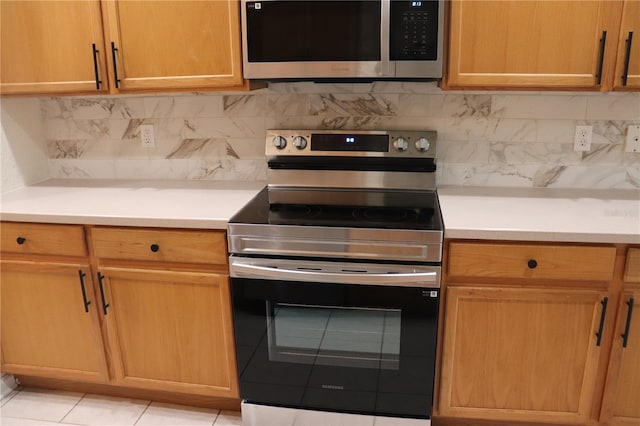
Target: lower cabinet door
[(170, 331), (621, 402), (50, 325), (520, 354)]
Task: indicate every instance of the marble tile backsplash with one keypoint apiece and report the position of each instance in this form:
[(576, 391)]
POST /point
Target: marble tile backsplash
[(484, 138)]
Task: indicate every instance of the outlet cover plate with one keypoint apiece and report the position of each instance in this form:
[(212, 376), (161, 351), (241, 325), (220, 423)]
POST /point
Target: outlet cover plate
[(632, 143), (582, 140)]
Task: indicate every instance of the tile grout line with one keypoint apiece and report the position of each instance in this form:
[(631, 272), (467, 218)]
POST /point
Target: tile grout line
[(142, 414), (71, 409)]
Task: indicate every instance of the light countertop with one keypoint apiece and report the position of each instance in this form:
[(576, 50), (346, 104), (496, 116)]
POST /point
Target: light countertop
[(523, 214), (166, 203), (541, 214)]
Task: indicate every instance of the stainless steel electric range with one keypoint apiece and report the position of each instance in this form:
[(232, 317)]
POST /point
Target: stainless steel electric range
[(335, 272)]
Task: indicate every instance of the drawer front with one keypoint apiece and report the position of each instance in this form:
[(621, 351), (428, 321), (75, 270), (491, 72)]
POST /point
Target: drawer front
[(160, 245), (531, 261), (39, 238), (632, 269)]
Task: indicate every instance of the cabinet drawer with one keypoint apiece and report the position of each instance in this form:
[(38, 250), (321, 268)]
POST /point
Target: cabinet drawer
[(160, 245), (38, 238), (531, 261), (632, 269)]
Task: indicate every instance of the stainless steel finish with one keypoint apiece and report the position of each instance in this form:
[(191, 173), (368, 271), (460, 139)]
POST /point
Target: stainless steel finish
[(401, 144), (352, 179), (279, 142), (261, 415), (385, 64), (336, 242), (335, 272), (411, 136), (423, 144), (300, 142), (347, 69)]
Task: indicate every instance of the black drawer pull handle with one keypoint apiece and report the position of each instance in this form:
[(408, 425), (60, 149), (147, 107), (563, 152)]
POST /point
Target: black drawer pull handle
[(154, 248), (625, 336), (627, 58), (114, 49), (603, 315), (532, 264), (21, 240), (95, 66), (105, 305), (603, 42), (84, 292)]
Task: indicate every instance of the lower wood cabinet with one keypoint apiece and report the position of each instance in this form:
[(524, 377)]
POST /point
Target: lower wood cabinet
[(520, 353), (529, 329), (621, 401), (170, 330), (50, 324), (127, 308)]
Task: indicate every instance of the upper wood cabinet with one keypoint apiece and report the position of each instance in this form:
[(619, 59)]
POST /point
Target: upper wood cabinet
[(88, 47), (627, 74), (540, 44), (48, 47), (173, 44)]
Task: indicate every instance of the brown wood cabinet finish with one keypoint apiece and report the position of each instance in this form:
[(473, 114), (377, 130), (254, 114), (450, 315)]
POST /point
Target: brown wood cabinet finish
[(539, 44), (531, 345), (140, 46), (158, 322)]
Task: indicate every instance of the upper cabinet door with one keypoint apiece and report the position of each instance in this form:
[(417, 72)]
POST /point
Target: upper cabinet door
[(48, 47), (546, 44), (174, 44), (627, 74)]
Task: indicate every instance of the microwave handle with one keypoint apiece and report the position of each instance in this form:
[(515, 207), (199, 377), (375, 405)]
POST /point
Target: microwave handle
[(385, 38), (413, 279)]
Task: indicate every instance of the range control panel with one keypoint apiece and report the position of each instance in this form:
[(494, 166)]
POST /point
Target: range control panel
[(407, 144)]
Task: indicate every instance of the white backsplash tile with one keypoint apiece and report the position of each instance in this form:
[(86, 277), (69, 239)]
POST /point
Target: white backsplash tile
[(484, 138)]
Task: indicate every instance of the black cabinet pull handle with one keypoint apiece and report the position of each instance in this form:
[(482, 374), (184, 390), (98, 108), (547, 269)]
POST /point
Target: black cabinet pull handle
[(114, 49), (603, 315), (625, 336), (105, 305), (532, 264), (627, 58), (154, 248), (21, 240), (603, 42), (95, 66), (84, 292)]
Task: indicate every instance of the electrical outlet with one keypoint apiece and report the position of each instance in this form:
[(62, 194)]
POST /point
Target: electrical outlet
[(632, 144), (147, 137), (582, 140)]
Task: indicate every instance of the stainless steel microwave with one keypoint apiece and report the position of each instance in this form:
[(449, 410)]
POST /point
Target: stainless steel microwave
[(342, 39)]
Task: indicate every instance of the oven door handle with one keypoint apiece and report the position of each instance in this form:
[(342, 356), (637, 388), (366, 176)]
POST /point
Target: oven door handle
[(412, 279)]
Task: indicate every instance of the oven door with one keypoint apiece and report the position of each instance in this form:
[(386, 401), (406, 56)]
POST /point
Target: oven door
[(336, 336)]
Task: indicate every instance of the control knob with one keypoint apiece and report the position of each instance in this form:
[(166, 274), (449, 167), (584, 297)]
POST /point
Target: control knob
[(400, 144), (300, 142), (423, 144), (279, 142)]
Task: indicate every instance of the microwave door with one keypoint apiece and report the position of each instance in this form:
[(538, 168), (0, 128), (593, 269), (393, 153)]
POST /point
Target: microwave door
[(316, 39)]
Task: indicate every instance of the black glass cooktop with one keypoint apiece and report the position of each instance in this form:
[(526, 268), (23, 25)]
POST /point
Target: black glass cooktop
[(388, 209)]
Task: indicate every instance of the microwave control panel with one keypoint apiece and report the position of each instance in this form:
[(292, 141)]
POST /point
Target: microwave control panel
[(414, 30)]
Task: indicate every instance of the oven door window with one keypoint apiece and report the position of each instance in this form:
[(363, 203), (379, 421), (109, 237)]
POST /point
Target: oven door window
[(351, 348), (334, 336)]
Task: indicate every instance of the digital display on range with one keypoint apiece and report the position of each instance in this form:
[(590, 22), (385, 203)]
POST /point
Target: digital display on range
[(349, 142)]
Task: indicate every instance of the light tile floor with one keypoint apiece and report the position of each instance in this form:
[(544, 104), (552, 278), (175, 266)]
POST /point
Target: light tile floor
[(40, 407)]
